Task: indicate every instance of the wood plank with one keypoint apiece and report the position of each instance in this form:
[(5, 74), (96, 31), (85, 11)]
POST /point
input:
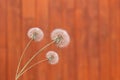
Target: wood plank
[(3, 42), (118, 38), (42, 20), (115, 29), (93, 43), (13, 36), (28, 21), (55, 21), (81, 31), (104, 35), (68, 16), (2, 23)]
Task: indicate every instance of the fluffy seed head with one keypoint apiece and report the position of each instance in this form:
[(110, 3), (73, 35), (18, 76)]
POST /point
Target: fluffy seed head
[(35, 34), (52, 57), (61, 37)]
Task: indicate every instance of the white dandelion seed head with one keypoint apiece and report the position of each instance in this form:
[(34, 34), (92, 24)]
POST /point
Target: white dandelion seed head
[(61, 37), (52, 57), (35, 34)]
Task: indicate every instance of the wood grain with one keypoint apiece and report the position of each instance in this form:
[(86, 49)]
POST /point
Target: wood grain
[(94, 29), (13, 39), (81, 39), (104, 35), (3, 40), (55, 21), (68, 24), (28, 21)]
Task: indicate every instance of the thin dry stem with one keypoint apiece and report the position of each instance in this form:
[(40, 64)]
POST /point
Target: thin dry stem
[(31, 67), (35, 56), (28, 44)]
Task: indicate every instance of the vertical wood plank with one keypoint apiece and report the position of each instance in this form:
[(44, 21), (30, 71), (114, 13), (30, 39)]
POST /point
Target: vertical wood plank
[(93, 43), (81, 31), (28, 21), (13, 36), (104, 34), (118, 38), (42, 20), (115, 29), (3, 40), (55, 21), (68, 23)]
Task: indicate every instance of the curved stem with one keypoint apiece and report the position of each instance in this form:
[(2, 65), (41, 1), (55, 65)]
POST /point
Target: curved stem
[(28, 44), (35, 56), (31, 67)]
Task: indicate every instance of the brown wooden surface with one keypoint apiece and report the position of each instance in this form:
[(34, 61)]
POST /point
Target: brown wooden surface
[(94, 28)]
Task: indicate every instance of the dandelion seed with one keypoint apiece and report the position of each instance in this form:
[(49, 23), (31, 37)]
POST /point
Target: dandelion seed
[(35, 34), (61, 37), (52, 57)]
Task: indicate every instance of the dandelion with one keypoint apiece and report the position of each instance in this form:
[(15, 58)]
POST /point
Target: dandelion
[(52, 57), (61, 37), (58, 36), (35, 34)]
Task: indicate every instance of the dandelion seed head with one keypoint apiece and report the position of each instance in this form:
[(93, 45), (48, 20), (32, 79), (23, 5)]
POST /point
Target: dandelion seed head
[(52, 57), (61, 37), (35, 34)]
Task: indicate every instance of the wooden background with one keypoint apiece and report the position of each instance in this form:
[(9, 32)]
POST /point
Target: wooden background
[(94, 28)]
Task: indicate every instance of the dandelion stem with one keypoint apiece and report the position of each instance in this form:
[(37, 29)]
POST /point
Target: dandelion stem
[(47, 45), (31, 67), (28, 44)]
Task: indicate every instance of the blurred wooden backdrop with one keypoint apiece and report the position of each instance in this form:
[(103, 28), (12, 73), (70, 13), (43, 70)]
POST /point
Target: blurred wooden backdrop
[(94, 28)]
